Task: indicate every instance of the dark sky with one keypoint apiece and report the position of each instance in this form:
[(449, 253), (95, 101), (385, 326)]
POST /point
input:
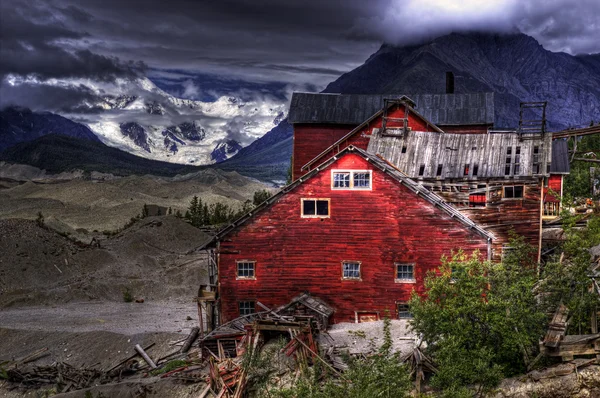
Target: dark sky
[(288, 43)]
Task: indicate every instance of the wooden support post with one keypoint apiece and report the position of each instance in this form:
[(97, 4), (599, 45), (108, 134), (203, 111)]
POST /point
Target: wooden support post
[(190, 340)]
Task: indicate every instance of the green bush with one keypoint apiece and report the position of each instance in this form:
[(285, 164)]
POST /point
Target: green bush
[(127, 296)]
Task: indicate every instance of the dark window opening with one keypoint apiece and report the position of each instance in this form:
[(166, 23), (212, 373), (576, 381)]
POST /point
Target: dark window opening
[(536, 160), (247, 307), (517, 167), (466, 169), (404, 149), (315, 207), (421, 170), (403, 311), (439, 170), (513, 192), (475, 170), (508, 161)]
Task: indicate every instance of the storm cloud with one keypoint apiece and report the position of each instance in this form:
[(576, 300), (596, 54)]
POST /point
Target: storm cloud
[(291, 43)]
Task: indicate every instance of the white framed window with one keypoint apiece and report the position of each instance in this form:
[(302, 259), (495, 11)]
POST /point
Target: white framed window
[(351, 270), (513, 192), (246, 269), (314, 208), (351, 179), (246, 307), (405, 273)]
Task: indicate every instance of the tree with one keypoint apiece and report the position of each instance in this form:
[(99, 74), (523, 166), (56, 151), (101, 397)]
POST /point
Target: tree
[(481, 320), (566, 278), (260, 196), (40, 219)]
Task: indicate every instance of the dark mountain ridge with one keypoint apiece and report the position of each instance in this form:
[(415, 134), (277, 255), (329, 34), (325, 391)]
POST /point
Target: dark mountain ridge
[(515, 67), (21, 125)]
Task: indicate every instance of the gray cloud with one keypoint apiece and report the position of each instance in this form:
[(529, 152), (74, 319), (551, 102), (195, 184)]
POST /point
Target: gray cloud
[(34, 41), (293, 42), (44, 97)]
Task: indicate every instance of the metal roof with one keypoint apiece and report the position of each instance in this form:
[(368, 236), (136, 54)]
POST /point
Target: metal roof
[(560, 157), (352, 109)]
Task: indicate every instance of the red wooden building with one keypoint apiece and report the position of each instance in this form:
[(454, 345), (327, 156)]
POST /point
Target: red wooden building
[(498, 178), (354, 232), (382, 189)]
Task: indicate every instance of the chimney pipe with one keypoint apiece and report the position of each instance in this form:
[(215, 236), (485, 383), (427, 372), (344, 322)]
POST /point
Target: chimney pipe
[(449, 83)]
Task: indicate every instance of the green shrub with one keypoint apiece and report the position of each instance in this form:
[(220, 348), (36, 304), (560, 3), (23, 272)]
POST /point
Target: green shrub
[(127, 296)]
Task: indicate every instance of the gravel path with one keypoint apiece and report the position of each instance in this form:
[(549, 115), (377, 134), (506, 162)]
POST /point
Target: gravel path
[(122, 318)]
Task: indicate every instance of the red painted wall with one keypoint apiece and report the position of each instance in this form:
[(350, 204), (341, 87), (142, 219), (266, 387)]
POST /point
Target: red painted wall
[(379, 227), (310, 140), (554, 183)]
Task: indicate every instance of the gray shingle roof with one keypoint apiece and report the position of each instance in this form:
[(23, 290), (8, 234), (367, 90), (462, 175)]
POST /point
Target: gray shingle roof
[(560, 157), (441, 109)]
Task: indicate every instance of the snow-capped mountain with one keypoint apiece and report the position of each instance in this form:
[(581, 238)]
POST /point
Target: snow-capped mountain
[(136, 116)]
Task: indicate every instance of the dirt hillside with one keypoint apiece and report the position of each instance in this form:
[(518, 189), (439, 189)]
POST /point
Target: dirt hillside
[(149, 259), (105, 202)]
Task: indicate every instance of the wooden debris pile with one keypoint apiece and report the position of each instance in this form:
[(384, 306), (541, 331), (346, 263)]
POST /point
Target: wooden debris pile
[(419, 363), (65, 376)]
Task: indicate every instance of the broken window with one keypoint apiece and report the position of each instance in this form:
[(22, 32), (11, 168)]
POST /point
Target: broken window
[(536, 160), (517, 162), (247, 307), (403, 310), (405, 272), (315, 208), (245, 269), (508, 161), (475, 170), (350, 269), (439, 170), (421, 170), (349, 179), (513, 192), (361, 180), (341, 180)]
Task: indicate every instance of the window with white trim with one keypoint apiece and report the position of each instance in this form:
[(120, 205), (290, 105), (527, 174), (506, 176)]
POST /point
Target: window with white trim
[(246, 269), (351, 179), (405, 272), (350, 269), (315, 208), (246, 307)]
